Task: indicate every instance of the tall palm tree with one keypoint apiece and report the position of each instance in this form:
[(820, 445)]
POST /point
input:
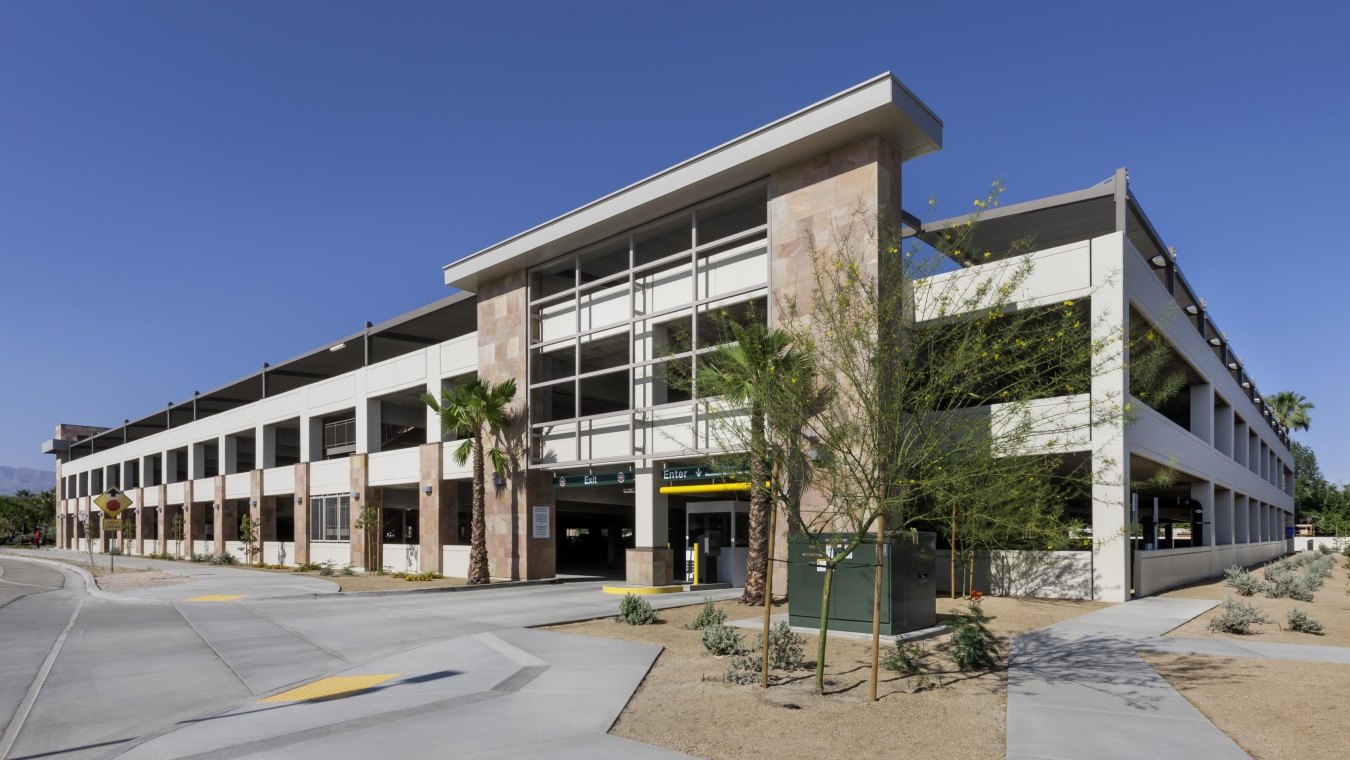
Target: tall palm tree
[(1290, 409), (477, 411), (745, 372)]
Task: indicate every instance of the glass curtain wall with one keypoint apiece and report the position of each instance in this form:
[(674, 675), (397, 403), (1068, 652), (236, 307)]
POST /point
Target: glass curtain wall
[(617, 330)]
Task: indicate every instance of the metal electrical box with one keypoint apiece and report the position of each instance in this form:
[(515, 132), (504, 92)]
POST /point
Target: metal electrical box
[(908, 584)]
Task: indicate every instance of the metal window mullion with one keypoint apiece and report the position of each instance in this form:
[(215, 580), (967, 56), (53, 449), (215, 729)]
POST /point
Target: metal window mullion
[(734, 237)]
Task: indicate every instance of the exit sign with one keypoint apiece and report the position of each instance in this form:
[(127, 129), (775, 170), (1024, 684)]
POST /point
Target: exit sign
[(587, 479)]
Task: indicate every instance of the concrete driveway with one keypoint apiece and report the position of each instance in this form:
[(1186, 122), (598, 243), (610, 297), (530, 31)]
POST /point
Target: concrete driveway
[(153, 675)]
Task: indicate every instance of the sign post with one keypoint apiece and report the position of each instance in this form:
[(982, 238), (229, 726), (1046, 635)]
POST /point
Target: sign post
[(113, 502)]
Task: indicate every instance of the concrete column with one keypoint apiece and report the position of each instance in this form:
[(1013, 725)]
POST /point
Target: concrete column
[(437, 511), (1223, 430), (433, 424), (651, 562), (60, 536), (302, 511), (227, 447), (196, 461), (368, 427), (141, 522), (1253, 520), (1240, 443), (1111, 461), (1223, 517), (1203, 492), (1253, 452), (169, 471), (162, 520), (265, 447), (311, 439), (218, 515), (1202, 412)]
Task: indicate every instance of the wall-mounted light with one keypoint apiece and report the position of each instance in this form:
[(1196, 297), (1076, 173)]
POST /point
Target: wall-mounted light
[(1216, 342), (1193, 309), (253, 502), (1159, 261), (217, 506), (426, 489), (338, 347), (356, 495), (1246, 385), (299, 500)]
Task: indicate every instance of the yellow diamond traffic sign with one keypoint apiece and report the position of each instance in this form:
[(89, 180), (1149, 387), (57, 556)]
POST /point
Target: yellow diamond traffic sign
[(112, 502)]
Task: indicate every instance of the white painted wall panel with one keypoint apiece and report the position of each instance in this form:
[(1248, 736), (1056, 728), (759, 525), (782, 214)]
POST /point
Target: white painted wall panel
[(278, 481), (393, 467), (455, 561), (330, 476), (238, 486), (395, 374)]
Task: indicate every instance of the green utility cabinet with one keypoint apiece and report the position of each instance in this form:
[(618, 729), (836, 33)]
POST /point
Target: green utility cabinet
[(908, 585)]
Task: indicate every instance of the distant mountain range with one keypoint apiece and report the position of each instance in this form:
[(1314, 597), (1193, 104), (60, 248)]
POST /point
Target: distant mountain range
[(18, 478)]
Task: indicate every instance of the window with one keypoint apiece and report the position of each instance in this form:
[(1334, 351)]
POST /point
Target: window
[(329, 518)]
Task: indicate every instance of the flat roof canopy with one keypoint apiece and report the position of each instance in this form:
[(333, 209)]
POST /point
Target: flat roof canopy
[(882, 105)]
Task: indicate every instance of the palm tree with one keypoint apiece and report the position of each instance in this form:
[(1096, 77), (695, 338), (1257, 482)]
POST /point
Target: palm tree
[(1290, 409), (476, 410), (745, 372)]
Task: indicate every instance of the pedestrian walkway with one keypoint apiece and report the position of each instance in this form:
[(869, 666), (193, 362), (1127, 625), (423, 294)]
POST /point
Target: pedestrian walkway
[(1078, 689)]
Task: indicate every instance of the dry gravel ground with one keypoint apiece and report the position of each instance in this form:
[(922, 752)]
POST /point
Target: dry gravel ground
[(1271, 708), (132, 579), (1330, 605), (684, 703)]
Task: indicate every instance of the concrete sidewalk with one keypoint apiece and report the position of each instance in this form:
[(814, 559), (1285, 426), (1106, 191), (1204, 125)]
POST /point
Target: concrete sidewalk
[(1078, 689)]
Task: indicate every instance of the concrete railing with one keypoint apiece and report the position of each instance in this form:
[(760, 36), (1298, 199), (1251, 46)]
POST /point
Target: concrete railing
[(1162, 569)]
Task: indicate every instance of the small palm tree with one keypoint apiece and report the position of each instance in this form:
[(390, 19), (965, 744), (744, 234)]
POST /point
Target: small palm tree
[(1290, 409), (745, 372), (477, 411)]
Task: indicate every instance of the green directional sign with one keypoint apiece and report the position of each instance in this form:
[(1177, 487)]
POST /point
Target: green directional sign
[(587, 479), (699, 472)]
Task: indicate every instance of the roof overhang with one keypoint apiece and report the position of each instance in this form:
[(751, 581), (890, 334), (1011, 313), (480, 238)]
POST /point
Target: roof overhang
[(880, 106)]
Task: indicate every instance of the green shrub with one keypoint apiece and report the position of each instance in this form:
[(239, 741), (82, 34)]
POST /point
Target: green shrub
[(634, 610), (721, 640), (308, 567), (1299, 621), (224, 558), (1236, 617), (430, 575), (906, 658), (707, 617), (973, 645), (787, 650), (1282, 583), (1243, 582), (326, 568), (1326, 550), (744, 669), (347, 570)]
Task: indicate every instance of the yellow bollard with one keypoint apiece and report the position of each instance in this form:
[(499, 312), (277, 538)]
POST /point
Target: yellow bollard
[(695, 563)]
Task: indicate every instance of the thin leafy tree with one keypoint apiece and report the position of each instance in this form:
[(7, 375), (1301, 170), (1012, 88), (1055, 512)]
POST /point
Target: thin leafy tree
[(744, 373), (1290, 409), (478, 411)]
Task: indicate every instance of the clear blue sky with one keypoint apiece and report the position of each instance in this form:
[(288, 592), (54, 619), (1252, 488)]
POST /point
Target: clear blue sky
[(189, 189)]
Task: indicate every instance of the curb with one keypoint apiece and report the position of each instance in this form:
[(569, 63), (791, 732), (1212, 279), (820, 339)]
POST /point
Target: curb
[(90, 585), (438, 590)]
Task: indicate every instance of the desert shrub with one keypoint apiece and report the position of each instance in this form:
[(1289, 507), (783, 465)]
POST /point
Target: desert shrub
[(707, 617), (326, 568), (1325, 550), (224, 558), (744, 668), (1236, 617), (430, 575), (308, 567), (1243, 582), (973, 645), (906, 658), (115, 551), (1281, 582), (200, 558), (787, 650), (721, 640), (347, 570), (634, 610), (1299, 621)]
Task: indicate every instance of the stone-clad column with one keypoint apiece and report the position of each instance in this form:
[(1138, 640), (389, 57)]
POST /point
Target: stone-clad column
[(437, 512), (191, 517), (162, 520), (218, 516), (513, 552), (365, 497), (301, 521)]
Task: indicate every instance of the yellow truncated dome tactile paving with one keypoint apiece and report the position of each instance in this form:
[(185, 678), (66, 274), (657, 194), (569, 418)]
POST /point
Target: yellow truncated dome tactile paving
[(215, 598), (330, 688)]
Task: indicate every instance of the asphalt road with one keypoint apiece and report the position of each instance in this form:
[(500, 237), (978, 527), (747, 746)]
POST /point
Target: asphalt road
[(155, 674)]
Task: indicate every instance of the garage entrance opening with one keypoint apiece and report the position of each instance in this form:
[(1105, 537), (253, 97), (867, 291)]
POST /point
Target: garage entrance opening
[(592, 538)]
